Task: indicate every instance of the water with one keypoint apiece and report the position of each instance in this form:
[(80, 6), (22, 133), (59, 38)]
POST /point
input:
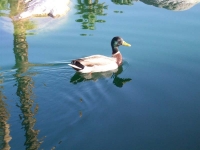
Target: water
[(151, 102)]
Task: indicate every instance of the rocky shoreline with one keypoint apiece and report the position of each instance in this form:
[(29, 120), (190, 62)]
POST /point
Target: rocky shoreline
[(176, 5)]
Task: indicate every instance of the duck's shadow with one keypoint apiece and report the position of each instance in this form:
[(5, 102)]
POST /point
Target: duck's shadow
[(117, 81)]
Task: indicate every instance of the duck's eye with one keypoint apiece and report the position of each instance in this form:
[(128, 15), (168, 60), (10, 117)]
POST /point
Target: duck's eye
[(119, 42), (116, 42)]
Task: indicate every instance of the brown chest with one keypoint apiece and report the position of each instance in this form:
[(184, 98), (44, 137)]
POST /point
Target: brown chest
[(118, 57)]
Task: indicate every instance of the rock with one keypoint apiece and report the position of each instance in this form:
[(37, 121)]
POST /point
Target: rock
[(177, 5), (53, 8)]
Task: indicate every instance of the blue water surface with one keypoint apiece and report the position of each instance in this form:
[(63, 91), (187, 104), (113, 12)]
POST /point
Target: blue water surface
[(152, 103)]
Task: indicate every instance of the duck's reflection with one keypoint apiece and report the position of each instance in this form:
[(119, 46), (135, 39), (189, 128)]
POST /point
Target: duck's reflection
[(114, 75)]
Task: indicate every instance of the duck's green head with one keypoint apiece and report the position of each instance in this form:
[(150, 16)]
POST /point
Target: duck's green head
[(116, 42)]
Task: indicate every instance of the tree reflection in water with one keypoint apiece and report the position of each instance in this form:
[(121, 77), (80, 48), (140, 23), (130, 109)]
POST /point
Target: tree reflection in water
[(114, 74), (123, 2), (4, 116), (88, 11), (25, 83)]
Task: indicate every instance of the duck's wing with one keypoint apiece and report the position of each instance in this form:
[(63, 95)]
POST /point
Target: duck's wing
[(97, 60), (94, 63)]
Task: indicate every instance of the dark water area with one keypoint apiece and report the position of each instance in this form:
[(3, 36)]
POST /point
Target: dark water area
[(150, 102)]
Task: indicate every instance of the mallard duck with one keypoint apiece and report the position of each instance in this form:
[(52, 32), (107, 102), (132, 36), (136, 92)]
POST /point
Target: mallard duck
[(100, 63)]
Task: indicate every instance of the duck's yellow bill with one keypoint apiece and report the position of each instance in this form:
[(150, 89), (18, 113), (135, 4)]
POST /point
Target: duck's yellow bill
[(126, 44)]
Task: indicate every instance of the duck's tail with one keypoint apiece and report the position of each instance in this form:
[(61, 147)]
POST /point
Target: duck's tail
[(76, 65)]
